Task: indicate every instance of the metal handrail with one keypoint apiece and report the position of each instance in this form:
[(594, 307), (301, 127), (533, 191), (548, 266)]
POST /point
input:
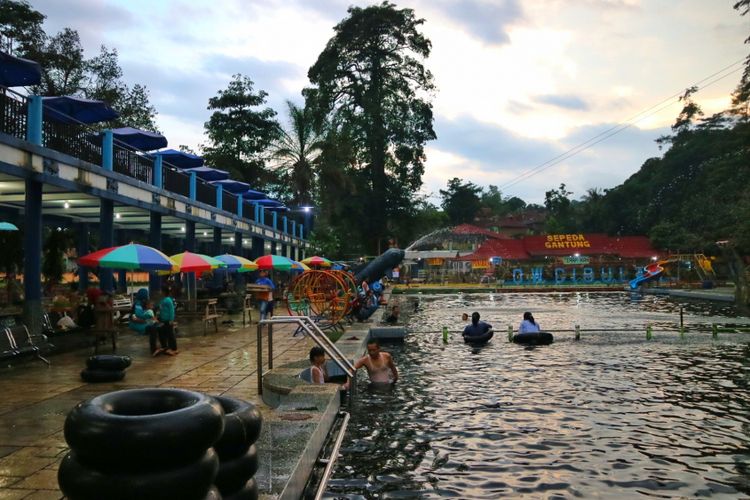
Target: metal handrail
[(315, 333), (331, 461)]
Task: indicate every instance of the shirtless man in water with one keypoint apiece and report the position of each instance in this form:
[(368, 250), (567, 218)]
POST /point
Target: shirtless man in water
[(379, 364)]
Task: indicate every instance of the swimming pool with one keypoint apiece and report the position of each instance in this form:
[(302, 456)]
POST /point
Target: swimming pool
[(609, 416)]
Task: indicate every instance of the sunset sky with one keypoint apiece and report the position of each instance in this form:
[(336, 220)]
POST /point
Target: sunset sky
[(518, 82)]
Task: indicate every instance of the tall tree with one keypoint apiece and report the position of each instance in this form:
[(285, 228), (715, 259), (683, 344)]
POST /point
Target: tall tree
[(461, 201), (239, 133), (741, 95), (294, 153), (559, 210), (20, 27), (371, 76)]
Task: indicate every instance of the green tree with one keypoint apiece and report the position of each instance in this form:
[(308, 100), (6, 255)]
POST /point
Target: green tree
[(492, 199), (62, 62), (20, 27), (294, 153), (741, 95), (239, 133), (461, 201), (370, 75), (559, 210)]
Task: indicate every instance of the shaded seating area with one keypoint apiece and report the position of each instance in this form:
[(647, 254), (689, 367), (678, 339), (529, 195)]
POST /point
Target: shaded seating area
[(17, 341)]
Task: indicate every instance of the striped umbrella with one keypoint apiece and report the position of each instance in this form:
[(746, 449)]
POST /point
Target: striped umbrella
[(130, 257), (299, 266), (237, 263), (273, 262), (316, 261), (188, 262)]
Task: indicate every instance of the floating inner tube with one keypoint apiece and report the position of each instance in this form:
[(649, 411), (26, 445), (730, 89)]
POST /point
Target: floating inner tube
[(538, 338), (478, 339)]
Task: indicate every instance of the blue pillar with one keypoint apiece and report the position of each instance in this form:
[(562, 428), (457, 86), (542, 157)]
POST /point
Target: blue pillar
[(262, 215), (106, 239), (34, 120), (108, 145), (257, 213), (193, 185), (240, 202), (285, 225), (83, 249), (155, 240), (294, 228), (216, 250), (301, 231), (239, 278), (190, 247), (275, 219), (32, 262), (219, 196), (158, 171)]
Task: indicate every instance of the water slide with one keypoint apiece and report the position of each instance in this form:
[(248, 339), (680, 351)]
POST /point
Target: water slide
[(650, 272), (378, 268)]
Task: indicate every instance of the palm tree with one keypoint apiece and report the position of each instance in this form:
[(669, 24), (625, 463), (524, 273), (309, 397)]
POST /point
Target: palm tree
[(295, 152)]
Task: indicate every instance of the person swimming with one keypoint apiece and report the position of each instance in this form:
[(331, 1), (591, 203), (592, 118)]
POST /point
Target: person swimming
[(477, 328), (380, 366), (528, 325)]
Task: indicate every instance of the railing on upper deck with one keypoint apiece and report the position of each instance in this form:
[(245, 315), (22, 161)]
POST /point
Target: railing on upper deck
[(229, 202), (132, 163), (72, 139), (176, 181), (13, 114), (205, 192)]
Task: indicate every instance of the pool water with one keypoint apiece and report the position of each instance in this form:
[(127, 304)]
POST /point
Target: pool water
[(609, 416)]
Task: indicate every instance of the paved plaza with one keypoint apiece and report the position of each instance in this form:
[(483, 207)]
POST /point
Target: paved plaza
[(36, 398)]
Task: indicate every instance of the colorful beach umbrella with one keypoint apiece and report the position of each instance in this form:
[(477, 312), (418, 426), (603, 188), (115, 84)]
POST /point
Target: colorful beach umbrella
[(188, 262), (130, 257), (299, 266), (273, 262), (237, 263), (7, 226), (316, 261)]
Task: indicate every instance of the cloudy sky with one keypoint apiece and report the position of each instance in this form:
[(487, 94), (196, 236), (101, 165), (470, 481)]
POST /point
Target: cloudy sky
[(519, 82)]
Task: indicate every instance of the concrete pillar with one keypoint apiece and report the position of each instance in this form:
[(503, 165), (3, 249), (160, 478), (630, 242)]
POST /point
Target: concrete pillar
[(284, 250), (301, 231), (106, 239), (154, 240), (258, 249), (82, 248), (285, 224), (34, 120), (275, 219), (240, 208), (193, 189), (256, 208), (32, 262), (274, 248), (294, 228), (108, 145), (216, 250)]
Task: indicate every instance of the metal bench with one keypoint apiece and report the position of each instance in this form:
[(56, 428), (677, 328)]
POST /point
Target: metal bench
[(16, 341), (211, 314)]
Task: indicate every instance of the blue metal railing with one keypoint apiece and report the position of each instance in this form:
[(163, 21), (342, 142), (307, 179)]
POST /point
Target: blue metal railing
[(83, 142)]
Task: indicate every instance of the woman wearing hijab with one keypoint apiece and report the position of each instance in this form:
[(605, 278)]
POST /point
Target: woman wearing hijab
[(142, 321)]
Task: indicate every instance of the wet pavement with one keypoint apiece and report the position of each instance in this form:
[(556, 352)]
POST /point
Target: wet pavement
[(36, 398)]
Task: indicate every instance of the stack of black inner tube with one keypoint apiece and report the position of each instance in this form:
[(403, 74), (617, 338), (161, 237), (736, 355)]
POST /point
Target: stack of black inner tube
[(238, 457), (105, 368), (143, 444)]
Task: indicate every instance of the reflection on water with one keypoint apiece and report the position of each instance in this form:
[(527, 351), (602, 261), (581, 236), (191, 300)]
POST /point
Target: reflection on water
[(611, 416)]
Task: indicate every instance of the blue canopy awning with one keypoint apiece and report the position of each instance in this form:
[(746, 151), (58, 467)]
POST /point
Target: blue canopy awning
[(18, 72), (233, 186), (140, 139), (267, 202), (252, 194), (70, 109), (208, 173), (179, 159)]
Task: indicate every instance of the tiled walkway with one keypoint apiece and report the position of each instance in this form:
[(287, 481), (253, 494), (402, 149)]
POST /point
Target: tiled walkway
[(36, 398)]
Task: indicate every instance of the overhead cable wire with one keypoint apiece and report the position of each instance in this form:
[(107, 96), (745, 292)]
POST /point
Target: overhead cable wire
[(616, 129)]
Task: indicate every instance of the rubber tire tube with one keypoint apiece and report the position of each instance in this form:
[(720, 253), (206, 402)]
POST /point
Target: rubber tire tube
[(94, 376), (144, 428), (242, 424), (478, 340), (235, 473), (189, 482), (540, 338), (248, 492), (108, 362)]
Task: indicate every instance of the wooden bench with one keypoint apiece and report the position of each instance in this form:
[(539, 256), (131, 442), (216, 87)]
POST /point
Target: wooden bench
[(16, 341), (211, 314)]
